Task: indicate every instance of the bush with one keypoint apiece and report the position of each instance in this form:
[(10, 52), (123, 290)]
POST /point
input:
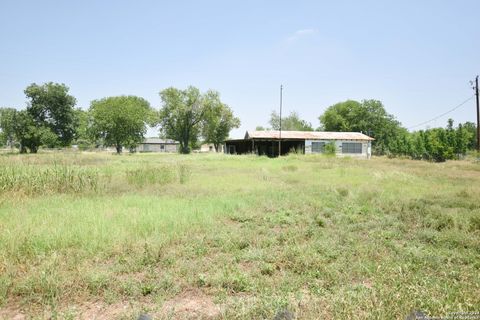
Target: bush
[(330, 149)]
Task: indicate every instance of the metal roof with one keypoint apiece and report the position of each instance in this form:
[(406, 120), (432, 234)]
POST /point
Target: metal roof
[(307, 135), (159, 141)]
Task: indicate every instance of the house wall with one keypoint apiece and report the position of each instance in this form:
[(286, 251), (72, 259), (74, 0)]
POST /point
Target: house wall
[(366, 148), (157, 147), (210, 147)]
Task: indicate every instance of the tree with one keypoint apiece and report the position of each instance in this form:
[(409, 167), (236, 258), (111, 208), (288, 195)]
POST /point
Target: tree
[(218, 122), (7, 126), (182, 114), (29, 134), (340, 116), (462, 139), (120, 121), (400, 145), (289, 123), (437, 144), (51, 106), (418, 150), (471, 128), (368, 116), (84, 137)]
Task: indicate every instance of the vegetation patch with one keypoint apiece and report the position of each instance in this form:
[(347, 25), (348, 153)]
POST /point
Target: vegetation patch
[(160, 175), (33, 180), (178, 235)]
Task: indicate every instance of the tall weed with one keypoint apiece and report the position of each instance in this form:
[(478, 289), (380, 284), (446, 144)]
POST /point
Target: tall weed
[(33, 180)]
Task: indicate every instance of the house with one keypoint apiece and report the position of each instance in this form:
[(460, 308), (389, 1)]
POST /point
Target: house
[(158, 145), (209, 147), (354, 144)]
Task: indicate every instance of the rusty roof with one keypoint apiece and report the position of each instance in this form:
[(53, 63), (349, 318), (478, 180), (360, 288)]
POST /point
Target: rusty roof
[(307, 135)]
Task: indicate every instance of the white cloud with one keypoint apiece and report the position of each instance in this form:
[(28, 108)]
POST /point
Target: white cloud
[(301, 34)]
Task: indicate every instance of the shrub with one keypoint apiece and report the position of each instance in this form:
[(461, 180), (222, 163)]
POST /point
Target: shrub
[(330, 149)]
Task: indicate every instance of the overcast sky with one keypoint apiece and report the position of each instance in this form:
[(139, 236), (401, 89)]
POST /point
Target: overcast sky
[(417, 57)]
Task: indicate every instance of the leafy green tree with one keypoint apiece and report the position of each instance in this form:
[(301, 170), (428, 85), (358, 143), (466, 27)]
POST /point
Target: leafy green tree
[(84, 137), (290, 123), (462, 139), (52, 107), (341, 116), (471, 128), (120, 121), (7, 126), (400, 145), (417, 149), (368, 116), (182, 114), (29, 134), (436, 145), (218, 121)]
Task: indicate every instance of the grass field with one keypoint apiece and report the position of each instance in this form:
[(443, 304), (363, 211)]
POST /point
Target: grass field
[(236, 237)]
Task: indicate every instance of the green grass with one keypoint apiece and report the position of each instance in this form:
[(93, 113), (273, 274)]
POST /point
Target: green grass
[(322, 237)]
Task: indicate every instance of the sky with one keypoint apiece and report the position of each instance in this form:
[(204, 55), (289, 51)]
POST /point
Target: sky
[(417, 57)]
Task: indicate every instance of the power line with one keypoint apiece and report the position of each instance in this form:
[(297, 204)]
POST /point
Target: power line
[(445, 113)]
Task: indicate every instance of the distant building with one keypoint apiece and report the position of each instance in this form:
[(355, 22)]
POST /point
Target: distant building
[(209, 147), (158, 145), (353, 144)]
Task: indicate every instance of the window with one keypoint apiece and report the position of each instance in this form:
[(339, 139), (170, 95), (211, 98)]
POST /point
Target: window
[(318, 147), (162, 147), (351, 147)]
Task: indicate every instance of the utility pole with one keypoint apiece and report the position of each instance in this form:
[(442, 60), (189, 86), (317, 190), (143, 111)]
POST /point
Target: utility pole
[(280, 135), (478, 114)]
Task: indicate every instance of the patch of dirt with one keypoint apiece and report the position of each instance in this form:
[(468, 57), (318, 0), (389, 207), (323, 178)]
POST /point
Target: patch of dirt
[(97, 310), (191, 304), (246, 266), (13, 312), (102, 311)]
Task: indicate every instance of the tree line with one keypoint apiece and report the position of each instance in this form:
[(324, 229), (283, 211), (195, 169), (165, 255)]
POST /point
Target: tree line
[(51, 119), (391, 138)]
